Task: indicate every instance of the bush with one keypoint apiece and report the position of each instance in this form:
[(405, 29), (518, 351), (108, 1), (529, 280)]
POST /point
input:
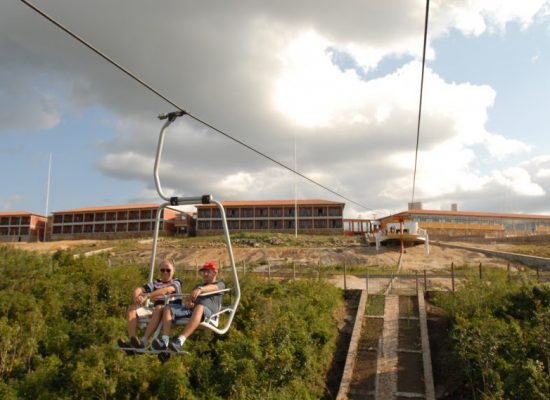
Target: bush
[(499, 339), (60, 318)]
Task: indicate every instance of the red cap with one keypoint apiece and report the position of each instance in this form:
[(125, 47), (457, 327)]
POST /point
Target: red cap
[(209, 265)]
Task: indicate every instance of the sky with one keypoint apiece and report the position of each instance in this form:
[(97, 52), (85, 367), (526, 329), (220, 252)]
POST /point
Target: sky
[(330, 89)]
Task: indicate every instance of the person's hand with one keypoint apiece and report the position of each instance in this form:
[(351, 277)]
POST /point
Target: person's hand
[(141, 299), (195, 293)]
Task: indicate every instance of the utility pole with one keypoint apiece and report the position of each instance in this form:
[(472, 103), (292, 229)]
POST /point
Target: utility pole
[(47, 195)]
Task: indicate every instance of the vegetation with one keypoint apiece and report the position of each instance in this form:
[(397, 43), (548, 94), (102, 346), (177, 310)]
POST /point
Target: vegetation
[(60, 317), (499, 339), (263, 239)]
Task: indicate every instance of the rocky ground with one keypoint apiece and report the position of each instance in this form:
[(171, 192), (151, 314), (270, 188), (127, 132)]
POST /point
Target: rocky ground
[(332, 253)]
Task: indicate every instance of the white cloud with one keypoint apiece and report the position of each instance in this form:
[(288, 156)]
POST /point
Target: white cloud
[(518, 180), (237, 184), (263, 73), (10, 203)]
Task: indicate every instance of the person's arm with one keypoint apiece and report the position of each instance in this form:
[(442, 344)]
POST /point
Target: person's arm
[(212, 287), (160, 293), (139, 296)]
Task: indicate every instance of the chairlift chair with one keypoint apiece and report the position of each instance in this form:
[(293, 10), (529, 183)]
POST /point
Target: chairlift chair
[(214, 322)]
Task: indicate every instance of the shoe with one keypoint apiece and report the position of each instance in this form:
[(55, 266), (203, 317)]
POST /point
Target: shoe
[(158, 344), (163, 357), (136, 343), (176, 346), (126, 347)]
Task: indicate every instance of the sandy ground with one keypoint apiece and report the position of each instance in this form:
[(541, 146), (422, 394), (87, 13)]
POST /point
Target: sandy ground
[(46, 247), (414, 259)]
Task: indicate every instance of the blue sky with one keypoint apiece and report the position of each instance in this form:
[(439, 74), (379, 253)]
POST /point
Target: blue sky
[(346, 89)]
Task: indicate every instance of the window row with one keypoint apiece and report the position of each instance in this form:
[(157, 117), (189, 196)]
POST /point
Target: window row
[(15, 220), (105, 228), (14, 231), (256, 225), (105, 216), (276, 212)]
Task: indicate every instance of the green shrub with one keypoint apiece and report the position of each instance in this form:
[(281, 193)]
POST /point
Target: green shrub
[(499, 339), (60, 317)]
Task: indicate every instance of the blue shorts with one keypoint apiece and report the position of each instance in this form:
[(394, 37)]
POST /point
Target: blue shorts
[(180, 311)]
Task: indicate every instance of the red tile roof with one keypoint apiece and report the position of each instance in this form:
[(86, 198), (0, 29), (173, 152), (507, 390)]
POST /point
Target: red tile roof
[(109, 208), (251, 203), (470, 214), (19, 214)]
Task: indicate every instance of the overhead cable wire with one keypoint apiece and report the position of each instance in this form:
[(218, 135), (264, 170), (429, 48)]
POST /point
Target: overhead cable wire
[(139, 80), (420, 102)]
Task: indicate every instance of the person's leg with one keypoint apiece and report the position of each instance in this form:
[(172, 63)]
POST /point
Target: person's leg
[(195, 321), (167, 321), (132, 318), (153, 323), (167, 316), (191, 326)]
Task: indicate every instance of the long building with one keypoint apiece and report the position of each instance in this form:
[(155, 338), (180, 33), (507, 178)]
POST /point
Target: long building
[(314, 216), (21, 226), (454, 223), (130, 220)]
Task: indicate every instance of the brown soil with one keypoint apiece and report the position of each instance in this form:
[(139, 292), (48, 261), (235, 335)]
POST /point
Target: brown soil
[(414, 259)]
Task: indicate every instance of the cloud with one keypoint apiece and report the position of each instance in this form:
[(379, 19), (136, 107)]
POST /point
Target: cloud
[(265, 74), (10, 202), (519, 181)]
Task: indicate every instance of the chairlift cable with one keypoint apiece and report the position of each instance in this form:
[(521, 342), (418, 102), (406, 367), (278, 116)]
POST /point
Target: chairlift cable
[(420, 102), (143, 83)]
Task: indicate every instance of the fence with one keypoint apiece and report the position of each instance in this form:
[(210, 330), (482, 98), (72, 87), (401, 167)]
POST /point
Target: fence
[(376, 279)]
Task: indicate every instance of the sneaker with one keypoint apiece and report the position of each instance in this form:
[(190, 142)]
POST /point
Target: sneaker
[(136, 343), (158, 344), (176, 346), (163, 357), (126, 347)]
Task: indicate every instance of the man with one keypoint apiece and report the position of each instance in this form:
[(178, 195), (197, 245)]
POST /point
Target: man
[(155, 291), (198, 307)]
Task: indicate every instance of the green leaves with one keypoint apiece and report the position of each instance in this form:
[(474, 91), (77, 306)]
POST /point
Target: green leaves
[(499, 338), (60, 318)]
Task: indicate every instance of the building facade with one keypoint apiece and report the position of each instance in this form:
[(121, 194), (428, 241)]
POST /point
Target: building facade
[(446, 224), (278, 216), (109, 222), (21, 226)]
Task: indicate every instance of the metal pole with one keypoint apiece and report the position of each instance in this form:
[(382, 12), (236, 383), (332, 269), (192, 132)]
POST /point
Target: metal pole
[(425, 281), (295, 191), (294, 270), (244, 268), (47, 196), (367, 282), (508, 271), (268, 270), (480, 272), (453, 276), (196, 269), (416, 276), (345, 280)]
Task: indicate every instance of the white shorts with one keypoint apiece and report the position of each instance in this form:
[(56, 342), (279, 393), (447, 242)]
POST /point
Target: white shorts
[(143, 312)]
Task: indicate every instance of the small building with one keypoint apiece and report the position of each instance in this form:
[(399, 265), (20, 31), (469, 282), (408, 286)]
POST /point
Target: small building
[(184, 224), (110, 222), (278, 216), (454, 223), (21, 226)]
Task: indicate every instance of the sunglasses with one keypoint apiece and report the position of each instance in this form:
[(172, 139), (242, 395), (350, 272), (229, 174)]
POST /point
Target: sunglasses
[(165, 270)]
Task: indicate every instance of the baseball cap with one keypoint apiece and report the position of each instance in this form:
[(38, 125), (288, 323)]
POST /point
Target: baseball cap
[(209, 266)]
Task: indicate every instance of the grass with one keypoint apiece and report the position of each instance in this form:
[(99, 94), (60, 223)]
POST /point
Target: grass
[(375, 304)]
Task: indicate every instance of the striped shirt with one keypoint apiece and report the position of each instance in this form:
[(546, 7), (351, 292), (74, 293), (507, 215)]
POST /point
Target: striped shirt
[(157, 284)]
